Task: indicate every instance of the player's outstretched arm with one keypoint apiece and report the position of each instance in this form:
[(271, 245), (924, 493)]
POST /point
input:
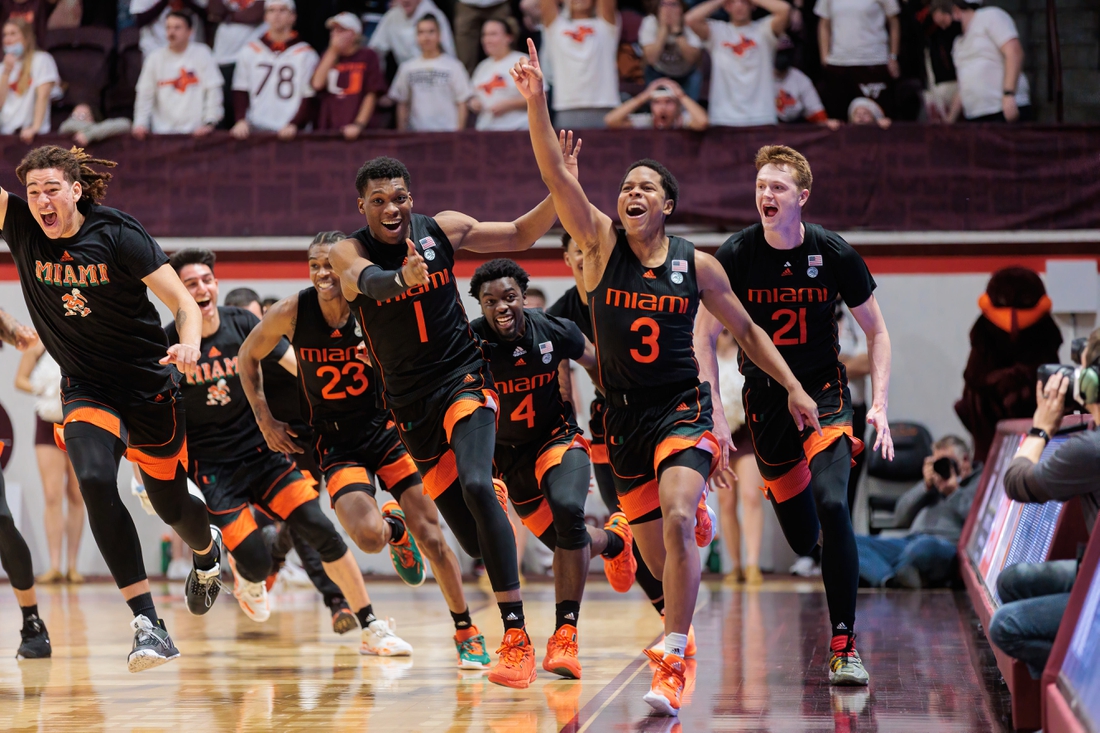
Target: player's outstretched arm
[(169, 289), (870, 319), (15, 333), (725, 306), (358, 275), (588, 226), (277, 323)]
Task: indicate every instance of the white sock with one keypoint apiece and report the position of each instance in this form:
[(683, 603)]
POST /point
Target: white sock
[(676, 644)]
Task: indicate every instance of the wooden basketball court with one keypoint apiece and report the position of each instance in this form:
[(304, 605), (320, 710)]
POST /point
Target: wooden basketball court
[(760, 666)]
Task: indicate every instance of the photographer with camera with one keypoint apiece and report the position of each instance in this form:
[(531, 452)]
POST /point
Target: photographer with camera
[(1034, 595), (933, 512)]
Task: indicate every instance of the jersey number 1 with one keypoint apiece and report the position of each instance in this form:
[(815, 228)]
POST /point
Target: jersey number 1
[(780, 338)]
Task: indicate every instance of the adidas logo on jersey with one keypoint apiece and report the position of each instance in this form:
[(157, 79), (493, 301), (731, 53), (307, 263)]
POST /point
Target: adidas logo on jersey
[(214, 351), (66, 257), (682, 407), (335, 333), (649, 275), (520, 351), (786, 272), (521, 362)]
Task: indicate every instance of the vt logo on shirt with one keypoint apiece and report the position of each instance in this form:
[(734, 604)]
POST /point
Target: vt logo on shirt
[(181, 82), (784, 100), (581, 33), (741, 46), (497, 82)]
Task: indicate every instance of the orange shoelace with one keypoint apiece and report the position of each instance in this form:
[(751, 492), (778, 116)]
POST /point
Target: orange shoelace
[(667, 670), (472, 646), (567, 645), (511, 654)]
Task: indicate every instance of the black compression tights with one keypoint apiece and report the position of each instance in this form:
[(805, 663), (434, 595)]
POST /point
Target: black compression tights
[(15, 556), (824, 509), (253, 557), (605, 480), (471, 509), (566, 488), (95, 455)]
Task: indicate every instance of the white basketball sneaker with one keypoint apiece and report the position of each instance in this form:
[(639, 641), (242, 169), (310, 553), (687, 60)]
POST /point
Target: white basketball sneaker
[(379, 640)]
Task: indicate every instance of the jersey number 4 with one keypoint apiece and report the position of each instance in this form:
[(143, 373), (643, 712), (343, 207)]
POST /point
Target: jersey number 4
[(525, 412), (358, 380), (780, 337)]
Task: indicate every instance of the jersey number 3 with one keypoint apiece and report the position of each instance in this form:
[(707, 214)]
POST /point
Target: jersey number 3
[(780, 337), (649, 340), (358, 380)]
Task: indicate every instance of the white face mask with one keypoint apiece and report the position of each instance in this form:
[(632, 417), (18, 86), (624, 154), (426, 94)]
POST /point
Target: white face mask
[(15, 49)]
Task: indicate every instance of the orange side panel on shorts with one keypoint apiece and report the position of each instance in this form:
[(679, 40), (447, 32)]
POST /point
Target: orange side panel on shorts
[(640, 501), (676, 443), (163, 468), (465, 407), (830, 434), (346, 477), (234, 533), (540, 520), (397, 471), (97, 417), (790, 484), (553, 455), (59, 436), (599, 453), (441, 475), (293, 496)]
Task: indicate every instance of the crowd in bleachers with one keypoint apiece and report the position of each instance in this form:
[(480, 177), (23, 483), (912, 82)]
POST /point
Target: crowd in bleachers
[(191, 66)]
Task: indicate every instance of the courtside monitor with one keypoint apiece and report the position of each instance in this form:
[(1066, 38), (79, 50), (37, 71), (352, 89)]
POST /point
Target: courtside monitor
[(1079, 679)]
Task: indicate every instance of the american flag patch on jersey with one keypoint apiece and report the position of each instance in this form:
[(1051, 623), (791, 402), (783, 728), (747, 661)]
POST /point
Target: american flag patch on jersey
[(546, 347), (814, 261), (427, 242), (679, 265)]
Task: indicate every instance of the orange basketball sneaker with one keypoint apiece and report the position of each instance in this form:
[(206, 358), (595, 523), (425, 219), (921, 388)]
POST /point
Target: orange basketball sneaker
[(561, 653), (516, 667), (669, 680), (620, 570)]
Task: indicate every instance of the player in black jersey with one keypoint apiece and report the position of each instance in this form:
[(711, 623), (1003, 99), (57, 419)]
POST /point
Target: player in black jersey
[(541, 455), (644, 289), (398, 274), (354, 440), (236, 471), (788, 275), (86, 270), (15, 556)]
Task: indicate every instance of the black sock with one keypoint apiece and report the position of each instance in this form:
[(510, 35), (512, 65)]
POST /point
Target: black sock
[(567, 613), (143, 606), (29, 613), (511, 612), (397, 529), (615, 545), (209, 560), (366, 615), (462, 620)]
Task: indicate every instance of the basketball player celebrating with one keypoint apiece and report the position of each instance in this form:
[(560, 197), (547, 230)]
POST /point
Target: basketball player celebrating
[(644, 289), (354, 440), (85, 270), (788, 274), (15, 556), (235, 469), (541, 455), (398, 274)]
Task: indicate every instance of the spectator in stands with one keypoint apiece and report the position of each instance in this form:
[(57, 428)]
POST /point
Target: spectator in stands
[(85, 130), (940, 32), (431, 91), (36, 13), (397, 34), (669, 109), (535, 298), (238, 23), (742, 51), (150, 16), (31, 77), (671, 49), (796, 99), (859, 57), (989, 61), (866, 111), (1034, 595), (1014, 334), (496, 101), (583, 49), (179, 91), (272, 88), (349, 78), (932, 513), (470, 18)]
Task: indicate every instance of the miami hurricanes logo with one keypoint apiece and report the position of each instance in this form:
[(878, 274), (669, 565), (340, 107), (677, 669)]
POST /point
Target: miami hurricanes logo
[(741, 46), (497, 82), (181, 82), (581, 33), (218, 394), (784, 101), (76, 304)]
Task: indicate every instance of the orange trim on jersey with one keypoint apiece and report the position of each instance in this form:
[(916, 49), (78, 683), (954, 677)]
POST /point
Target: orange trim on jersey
[(95, 416), (552, 456), (292, 496), (830, 434), (161, 467), (344, 477), (640, 501), (674, 444), (790, 484), (440, 476), (397, 471), (598, 453), (463, 407), (540, 520), (234, 533)]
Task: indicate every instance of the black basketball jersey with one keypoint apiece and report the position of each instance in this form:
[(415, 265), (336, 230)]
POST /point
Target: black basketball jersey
[(526, 375), (419, 340), (791, 293), (570, 307), (643, 318), (337, 385), (220, 423), (87, 299), (284, 397)]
